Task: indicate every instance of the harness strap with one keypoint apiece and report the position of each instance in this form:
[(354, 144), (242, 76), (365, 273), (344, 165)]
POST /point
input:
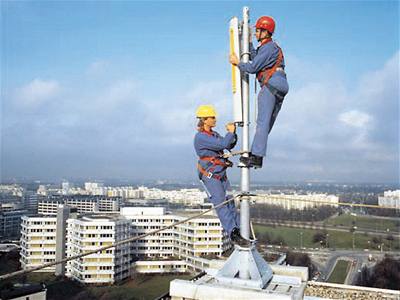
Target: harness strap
[(214, 160), (209, 174), (264, 75)]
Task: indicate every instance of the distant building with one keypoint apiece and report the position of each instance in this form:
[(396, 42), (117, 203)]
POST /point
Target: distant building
[(11, 206), (11, 210), (42, 190), (66, 188), (297, 201), (11, 189), (390, 199), (94, 188), (48, 190), (31, 199), (10, 223), (146, 202), (83, 203)]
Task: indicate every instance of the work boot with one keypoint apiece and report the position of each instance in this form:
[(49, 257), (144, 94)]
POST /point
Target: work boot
[(237, 238), (252, 161)]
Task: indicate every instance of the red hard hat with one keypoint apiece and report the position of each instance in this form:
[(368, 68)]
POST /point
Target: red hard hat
[(266, 23)]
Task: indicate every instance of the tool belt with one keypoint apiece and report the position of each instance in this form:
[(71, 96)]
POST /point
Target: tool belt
[(213, 162)]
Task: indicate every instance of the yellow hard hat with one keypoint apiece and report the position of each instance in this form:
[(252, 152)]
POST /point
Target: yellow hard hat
[(204, 111)]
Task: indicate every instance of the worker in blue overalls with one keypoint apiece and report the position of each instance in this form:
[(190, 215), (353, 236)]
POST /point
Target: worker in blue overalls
[(268, 63), (209, 146)]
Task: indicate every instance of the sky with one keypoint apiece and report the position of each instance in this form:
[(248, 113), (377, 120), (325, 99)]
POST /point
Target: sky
[(108, 89)]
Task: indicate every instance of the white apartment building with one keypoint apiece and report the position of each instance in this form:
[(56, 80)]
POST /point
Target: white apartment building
[(38, 241), (92, 232), (187, 246), (390, 199), (66, 188), (83, 203), (11, 189), (182, 196), (144, 220), (94, 188), (297, 201), (186, 196), (126, 192), (194, 242)]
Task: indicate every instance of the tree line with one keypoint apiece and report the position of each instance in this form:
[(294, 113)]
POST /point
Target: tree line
[(384, 275)]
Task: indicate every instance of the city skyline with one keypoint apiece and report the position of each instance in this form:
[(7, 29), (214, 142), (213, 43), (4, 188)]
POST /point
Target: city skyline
[(88, 91)]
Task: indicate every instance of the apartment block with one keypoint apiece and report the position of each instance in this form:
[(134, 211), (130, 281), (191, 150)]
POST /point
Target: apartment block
[(297, 201), (38, 241), (187, 246), (390, 199), (90, 233), (83, 203), (194, 242)]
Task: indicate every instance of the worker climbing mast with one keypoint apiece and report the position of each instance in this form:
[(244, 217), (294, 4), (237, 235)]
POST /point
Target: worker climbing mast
[(245, 274), (245, 266), (268, 63)]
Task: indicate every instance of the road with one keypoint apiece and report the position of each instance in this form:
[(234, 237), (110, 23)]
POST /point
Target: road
[(359, 257)]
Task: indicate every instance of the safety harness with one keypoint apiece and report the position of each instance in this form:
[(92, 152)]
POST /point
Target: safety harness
[(212, 163), (265, 74)]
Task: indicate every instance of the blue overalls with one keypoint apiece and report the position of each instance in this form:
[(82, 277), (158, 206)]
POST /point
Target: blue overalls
[(270, 97), (208, 145)]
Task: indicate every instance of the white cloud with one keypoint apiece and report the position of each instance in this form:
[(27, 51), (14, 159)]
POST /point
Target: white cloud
[(342, 126), (175, 116), (378, 82), (37, 92), (355, 118)]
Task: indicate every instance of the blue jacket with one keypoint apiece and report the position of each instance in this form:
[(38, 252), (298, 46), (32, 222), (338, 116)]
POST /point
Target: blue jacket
[(265, 57), (213, 144)]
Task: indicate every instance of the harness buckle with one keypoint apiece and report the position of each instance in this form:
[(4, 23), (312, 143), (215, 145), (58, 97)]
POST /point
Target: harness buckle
[(209, 175)]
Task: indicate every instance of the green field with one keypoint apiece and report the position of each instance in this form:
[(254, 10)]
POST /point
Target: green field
[(366, 222), (339, 272), (336, 239)]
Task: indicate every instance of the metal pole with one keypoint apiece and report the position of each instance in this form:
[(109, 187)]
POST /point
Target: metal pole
[(245, 172)]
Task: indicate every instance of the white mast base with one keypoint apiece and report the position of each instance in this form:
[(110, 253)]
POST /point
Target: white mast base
[(259, 273)]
